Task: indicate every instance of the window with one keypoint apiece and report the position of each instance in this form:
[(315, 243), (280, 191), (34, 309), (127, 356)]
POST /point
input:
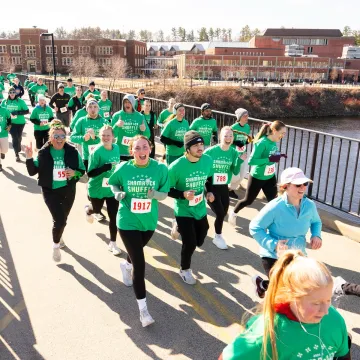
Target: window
[(104, 50), (65, 49), (103, 61), (310, 50), (289, 41), (67, 61), (3, 49), (16, 60), (2, 60), (84, 50), (48, 49), (303, 41), (124, 51), (49, 60), (318, 42), (30, 51), (15, 49)]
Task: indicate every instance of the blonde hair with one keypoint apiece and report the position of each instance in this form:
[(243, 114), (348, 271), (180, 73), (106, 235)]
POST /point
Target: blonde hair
[(225, 128), (268, 128), (56, 125), (292, 277), (89, 96), (106, 127)]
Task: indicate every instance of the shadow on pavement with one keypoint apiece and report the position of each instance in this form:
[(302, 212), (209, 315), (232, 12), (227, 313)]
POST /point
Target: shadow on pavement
[(26, 183), (17, 335)]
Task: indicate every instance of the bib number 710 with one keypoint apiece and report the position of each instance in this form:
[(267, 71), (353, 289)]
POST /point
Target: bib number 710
[(140, 206)]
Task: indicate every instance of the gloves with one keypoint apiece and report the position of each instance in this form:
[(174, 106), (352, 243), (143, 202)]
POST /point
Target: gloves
[(157, 195), (276, 157), (119, 195)]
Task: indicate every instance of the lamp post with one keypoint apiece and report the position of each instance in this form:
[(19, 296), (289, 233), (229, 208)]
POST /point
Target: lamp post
[(53, 54)]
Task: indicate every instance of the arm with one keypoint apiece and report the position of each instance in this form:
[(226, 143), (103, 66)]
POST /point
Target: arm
[(71, 105), (167, 141), (31, 167), (208, 184), (176, 194), (33, 117), (239, 143), (77, 137), (52, 100), (236, 165), (162, 192), (98, 171), (256, 156), (316, 224), (215, 136)]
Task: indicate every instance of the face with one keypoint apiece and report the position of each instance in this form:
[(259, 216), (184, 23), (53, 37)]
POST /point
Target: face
[(93, 110), (227, 137), (171, 103), (311, 308), (141, 94), (296, 191), (244, 119), (91, 87), (103, 95), (197, 150), (57, 139), (107, 137), (207, 113), (40, 81), (141, 151), (127, 105), (42, 102), (16, 81), (147, 107), (69, 83), (278, 135), (78, 91), (61, 90), (180, 111), (12, 94)]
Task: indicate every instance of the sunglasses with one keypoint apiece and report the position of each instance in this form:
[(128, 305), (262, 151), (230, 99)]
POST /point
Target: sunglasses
[(305, 184), (61, 136), (12, 92), (142, 93)]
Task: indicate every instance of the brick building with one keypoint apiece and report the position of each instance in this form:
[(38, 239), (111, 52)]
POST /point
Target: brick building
[(33, 53)]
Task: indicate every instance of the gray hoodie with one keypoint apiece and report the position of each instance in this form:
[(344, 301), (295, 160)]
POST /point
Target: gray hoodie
[(131, 98)]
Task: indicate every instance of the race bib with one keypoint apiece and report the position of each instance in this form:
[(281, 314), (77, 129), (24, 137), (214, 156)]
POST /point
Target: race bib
[(241, 149), (105, 182), (92, 148), (63, 109), (140, 206), (269, 170), (106, 114), (220, 179), (44, 121), (196, 200), (125, 141), (59, 175)]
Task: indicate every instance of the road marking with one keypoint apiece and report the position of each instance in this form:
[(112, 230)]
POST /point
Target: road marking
[(14, 313)]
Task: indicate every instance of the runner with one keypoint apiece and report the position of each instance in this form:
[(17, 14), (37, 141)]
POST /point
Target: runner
[(297, 320), (106, 106), (41, 117), (5, 125), (59, 102), (2, 89), (17, 109), (139, 102), (241, 125), (128, 123), (18, 88), (91, 90), (70, 88), (75, 103), (29, 79), (29, 85), (166, 113), (173, 134), (188, 176), (206, 125), (138, 184), (2, 78), (150, 118), (38, 89), (59, 167), (101, 166), (86, 131), (10, 77), (226, 162), (262, 160)]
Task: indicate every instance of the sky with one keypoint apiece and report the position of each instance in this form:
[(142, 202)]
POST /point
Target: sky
[(191, 14)]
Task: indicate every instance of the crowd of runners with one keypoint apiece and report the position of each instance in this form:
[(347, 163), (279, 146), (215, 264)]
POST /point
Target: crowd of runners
[(78, 134)]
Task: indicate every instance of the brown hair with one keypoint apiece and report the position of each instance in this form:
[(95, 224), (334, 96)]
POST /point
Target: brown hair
[(56, 125), (268, 128), (139, 137), (106, 127)]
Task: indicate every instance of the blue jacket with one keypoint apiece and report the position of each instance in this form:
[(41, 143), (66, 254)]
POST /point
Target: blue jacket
[(279, 220)]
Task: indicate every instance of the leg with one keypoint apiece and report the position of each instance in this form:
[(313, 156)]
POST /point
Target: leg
[(96, 206), (14, 131), (351, 289), (235, 182), (218, 209), (4, 147), (45, 137), (270, 189), (252, 191), (112, 206), (201, 230), (20, 132), (38, 139), (243, 170), (267, 263), (86, 164), (186, 226)]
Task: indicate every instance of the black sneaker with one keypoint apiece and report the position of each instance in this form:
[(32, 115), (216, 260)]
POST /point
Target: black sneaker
[(2, 156), (232, 194), (18, 158), (0, 167), (259, 289)]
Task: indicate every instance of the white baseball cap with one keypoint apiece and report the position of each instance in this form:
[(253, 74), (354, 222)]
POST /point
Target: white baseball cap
[(41, 97), (293, 175)]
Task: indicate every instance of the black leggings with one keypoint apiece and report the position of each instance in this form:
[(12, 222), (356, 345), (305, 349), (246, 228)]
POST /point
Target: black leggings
[(220, 205), (253, 188), (59, 202), (16, 131), (41, 138), (193, 233), (134, 241), (112, 206)]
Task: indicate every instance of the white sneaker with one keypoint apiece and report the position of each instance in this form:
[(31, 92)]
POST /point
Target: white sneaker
[(56, 254), (99, 217), (174, 230), (113, 248), (62, 243), (126, 274), (232, 218), (338, 283), (219, 241), (145, 318), (89, 218), (187, 276)]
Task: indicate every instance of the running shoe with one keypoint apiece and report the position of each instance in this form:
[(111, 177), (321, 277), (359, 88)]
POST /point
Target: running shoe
[(174, 230), (18, 158), (232, 194), (219, 241), (56, 254), (62, 243), (2, 156), (99, 217), (187, 276), (145, 318), (338, 284), (259, 290), (232, 218), (113, 248), (126, 274), (89, 218)]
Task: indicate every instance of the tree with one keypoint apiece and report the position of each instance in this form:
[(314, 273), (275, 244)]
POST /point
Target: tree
[(334, 74), (356, 34), (256, 32), (84, 67), (131, 35), (159, 36), (192, 69), (190, 36), (229, 32), (116, 70), (164, 74), (145, 35), (224, 35), (61, 33), (203, 36), (217, 34), (211, 34), (347, 31), (182, 34), (174, 34), (245, 33)]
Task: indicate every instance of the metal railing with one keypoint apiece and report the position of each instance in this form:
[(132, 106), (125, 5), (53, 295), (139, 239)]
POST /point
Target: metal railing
[(331, 161)]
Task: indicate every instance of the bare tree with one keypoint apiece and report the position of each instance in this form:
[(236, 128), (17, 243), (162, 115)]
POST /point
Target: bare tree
[(84, 67), (334, 73), (285, 75), (192, 70), (7, 65), (116, 70), (227, 72), (164, 74)]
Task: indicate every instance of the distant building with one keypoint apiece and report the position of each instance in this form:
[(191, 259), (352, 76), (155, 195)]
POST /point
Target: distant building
[(351, 52)]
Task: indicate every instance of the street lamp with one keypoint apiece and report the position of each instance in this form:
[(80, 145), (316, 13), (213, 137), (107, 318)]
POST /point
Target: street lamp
[(53, 53)]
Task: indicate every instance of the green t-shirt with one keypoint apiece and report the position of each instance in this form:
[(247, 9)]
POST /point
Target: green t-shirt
[(261, 167), (239, 137), (70, 90), (205, 127), (4, 116), (175, 130), (38, 90), (80, 130), (292, 341), (148, 118), (44, 115), (136, 211), (163, 116), (59, 177), (15, 105), (106, 107), (2, 88), (131, 128), (137, 102), (30, 85), (80, 114), (96, 94), (225, 164), (26, 83), (185, 175), (11, 77), (98, 185)]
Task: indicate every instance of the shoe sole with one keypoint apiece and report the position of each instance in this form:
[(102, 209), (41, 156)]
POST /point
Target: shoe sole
[(115, 254), (148, 323)]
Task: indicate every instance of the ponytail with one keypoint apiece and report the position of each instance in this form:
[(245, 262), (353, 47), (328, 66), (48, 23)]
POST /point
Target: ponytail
[(268, 128)]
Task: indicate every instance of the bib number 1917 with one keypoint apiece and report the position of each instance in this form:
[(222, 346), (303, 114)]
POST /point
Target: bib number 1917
[(140, 206)]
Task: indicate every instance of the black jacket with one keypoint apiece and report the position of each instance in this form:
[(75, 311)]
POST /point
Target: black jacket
[(46, 165), (19, 90), (77, 105), (60, 100)]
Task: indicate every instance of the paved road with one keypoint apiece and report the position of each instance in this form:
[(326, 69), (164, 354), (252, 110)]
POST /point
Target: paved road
[(79, 309)]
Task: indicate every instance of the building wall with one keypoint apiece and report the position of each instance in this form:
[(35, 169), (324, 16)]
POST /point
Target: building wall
[(245, 51), (136, 53), (10, 57)]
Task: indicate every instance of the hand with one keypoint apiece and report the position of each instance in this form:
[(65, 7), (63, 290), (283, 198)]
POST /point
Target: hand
[(274, 158), (92, 133), (69, 173), (189, 195), (156, 126), (315, 243), (8, 128), (243, 156), (87, 137), (13, 116), (119, 195), (120, 123), (29, 151), (281, 247), (56, 109), (210, 197), (142, 126)]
